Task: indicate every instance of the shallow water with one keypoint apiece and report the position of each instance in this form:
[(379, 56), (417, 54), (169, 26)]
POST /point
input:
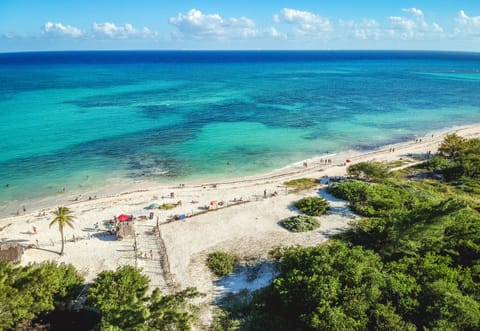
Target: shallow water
[(76, 120)]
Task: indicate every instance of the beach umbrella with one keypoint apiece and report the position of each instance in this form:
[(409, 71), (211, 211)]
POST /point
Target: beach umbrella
[(123, 217), (152, 206), (213, 203)]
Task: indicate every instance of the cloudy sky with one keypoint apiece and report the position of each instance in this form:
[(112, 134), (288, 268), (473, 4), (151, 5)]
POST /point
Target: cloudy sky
[(27, 25)]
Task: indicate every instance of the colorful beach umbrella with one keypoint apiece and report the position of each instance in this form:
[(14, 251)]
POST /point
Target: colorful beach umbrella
[(123, 217), (152, 206)]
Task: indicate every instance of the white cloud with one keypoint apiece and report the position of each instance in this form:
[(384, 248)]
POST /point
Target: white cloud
[(110, 30), (198, 25), (367, 29), (403, 26), (467, 25), (307, 23), (413, 27), (414, 11), (60, 30), (274, 33)]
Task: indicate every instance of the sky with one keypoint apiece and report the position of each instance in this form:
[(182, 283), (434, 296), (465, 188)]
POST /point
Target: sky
[(36, 25)]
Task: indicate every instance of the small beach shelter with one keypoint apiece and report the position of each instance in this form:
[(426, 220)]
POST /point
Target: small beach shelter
[(11, 252), (123, 218), (125, 230)]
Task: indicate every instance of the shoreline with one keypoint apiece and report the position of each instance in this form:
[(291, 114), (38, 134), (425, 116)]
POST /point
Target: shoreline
[(122, 186), (174, 258)]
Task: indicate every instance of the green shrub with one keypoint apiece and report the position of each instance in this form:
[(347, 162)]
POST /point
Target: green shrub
[(300, 223), (368, 170), (312, 206), (350, 190), (301, 184), (221, 263)]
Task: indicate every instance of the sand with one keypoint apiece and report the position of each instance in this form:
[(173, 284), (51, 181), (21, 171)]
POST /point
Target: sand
[(249, 229)]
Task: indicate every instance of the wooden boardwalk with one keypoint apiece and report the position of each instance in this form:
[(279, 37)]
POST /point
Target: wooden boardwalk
[(151, 256)]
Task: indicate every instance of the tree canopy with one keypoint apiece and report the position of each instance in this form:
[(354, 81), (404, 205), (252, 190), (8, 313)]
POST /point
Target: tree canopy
[(411, 263), (121, 296), (25, 292)]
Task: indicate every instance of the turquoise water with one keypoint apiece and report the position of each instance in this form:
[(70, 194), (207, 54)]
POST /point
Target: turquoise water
[(76, 120)]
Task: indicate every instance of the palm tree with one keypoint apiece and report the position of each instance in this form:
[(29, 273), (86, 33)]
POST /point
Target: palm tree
[(63, 216)]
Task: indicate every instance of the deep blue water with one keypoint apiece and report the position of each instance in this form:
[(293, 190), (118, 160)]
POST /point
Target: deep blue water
[(78, 119)]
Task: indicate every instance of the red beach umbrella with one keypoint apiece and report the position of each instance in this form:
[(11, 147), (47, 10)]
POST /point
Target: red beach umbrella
[(123, 217)]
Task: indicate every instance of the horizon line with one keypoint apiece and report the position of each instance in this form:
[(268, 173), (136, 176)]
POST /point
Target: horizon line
[(241, 50)]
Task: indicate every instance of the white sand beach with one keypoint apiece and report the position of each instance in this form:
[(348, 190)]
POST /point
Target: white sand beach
[(247, 229)]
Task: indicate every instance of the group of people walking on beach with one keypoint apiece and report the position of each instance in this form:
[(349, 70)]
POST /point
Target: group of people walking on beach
[(322, 162)]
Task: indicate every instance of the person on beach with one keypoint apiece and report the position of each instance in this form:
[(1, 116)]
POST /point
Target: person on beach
[(34, 230), (264, 193)]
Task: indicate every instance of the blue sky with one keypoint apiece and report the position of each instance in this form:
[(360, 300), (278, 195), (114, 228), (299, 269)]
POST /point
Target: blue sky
[(29, 25)]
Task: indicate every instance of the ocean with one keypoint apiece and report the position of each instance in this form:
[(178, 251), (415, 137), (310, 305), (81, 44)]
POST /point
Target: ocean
[(78, 120)]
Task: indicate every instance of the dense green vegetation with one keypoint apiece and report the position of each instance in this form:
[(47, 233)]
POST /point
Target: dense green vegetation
[(121, 296), (312, 206), (301, 184), (300, 223), (372, 171), (221, 263), (25, 292), (412, 262)]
